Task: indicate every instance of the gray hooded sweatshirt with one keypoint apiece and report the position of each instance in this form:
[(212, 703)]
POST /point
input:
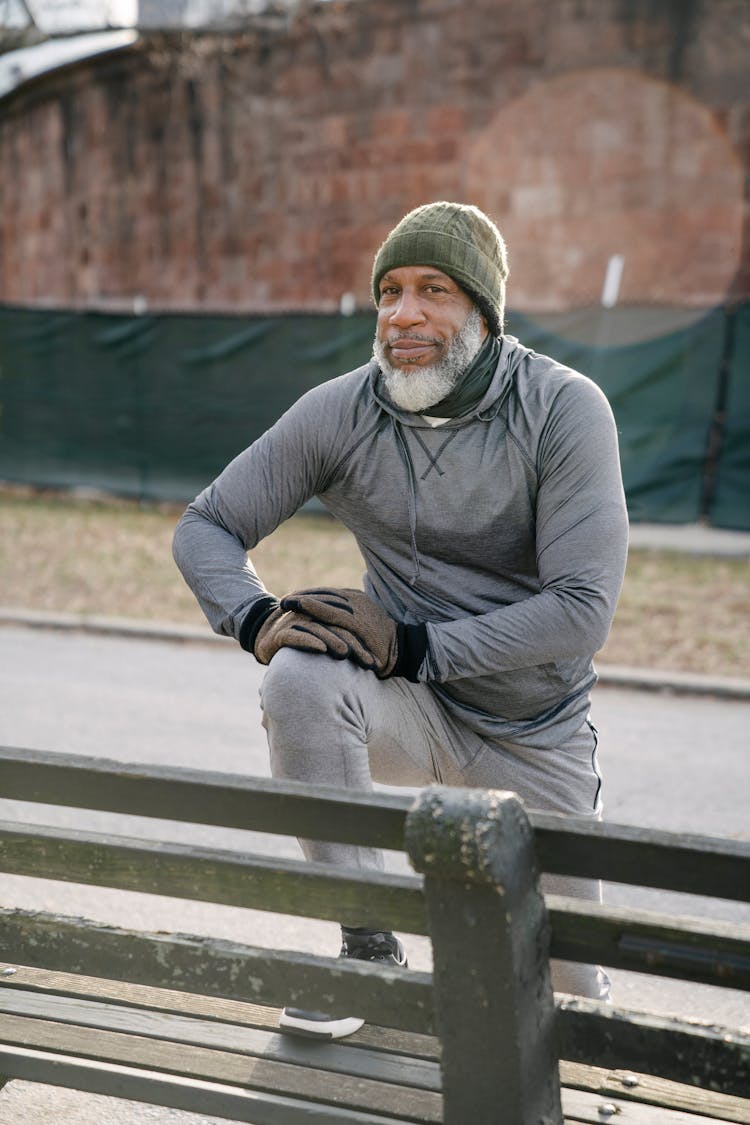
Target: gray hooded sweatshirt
[(504, 530)]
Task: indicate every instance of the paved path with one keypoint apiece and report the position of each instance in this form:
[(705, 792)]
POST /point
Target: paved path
[(691, 538), (672, 762)]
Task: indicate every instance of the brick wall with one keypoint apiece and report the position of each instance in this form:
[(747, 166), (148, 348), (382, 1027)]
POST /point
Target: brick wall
[(260, 172)]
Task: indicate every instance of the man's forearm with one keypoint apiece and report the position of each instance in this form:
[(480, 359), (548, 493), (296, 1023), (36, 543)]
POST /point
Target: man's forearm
[(546, 628), (215, 566)]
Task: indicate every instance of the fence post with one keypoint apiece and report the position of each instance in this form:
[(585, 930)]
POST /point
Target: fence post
[(493, 996)]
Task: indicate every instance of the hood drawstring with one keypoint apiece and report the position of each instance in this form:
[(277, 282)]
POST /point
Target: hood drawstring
[(411, 497)]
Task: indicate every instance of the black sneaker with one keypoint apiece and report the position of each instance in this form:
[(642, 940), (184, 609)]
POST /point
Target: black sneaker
[(360, 946)]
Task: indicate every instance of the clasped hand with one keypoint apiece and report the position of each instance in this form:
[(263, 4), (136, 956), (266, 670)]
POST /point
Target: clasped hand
[(343, 623)]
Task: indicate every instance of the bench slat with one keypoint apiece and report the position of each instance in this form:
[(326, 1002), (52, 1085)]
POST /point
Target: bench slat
[(623, 938), (715, 953), (689, 1052), (647, 857), (270, 1045), (654, 1091), (718, 868), (283, 886), (256, 804), (302, 1077), (214, 1099), (117, 1045), (606, 1083), (623, 1084), (206, 1007), (581, 1108), (133, 994), (217, 968)]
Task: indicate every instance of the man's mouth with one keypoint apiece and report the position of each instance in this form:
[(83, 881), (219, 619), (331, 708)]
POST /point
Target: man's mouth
[(410, 349)]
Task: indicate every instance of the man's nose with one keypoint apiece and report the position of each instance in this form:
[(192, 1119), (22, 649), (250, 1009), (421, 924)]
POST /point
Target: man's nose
[(407, 311)]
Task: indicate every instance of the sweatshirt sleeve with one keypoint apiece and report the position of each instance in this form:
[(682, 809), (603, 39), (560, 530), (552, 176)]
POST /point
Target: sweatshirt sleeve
[(581, 549), (257, 491)]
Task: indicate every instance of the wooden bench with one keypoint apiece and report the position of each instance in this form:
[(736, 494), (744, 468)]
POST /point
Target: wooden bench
[(191, 1022)]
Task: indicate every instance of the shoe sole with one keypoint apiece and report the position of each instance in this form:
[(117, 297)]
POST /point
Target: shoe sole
[(319, 1029)]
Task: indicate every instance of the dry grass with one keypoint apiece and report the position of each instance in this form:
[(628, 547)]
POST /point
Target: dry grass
[(112, 557), (684, 613)]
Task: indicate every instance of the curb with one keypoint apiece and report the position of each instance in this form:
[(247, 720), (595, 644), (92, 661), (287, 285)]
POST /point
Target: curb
[(674, 683), (110, 626), (610, 675)]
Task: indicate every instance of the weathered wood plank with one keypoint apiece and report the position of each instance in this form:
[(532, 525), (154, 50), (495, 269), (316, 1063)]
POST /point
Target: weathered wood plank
[(385, 995), (213, 1099), (655, 1091), (494, 1004), (284, 886), (693, 1053), (614, 1083), (646, 942), (258, 804), (302, 1078), (718, 868), (263, 1017), (339, 1059), (168, 1055), (648, 857), (581, 1108)]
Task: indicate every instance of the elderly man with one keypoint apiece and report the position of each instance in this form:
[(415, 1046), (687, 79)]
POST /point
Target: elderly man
[(482, 484)]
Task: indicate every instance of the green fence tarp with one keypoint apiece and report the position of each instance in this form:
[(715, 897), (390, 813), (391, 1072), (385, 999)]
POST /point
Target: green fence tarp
[(730, 505), (663, 393), (155, 406)]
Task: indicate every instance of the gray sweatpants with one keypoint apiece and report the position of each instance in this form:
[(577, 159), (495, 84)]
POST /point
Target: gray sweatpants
[(332, 723)]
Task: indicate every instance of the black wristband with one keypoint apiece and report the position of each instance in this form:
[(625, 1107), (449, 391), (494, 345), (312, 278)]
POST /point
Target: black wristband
[(250, 627), (412, 649)]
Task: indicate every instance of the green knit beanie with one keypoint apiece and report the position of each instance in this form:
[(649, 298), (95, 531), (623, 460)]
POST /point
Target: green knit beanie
[(458, 239)]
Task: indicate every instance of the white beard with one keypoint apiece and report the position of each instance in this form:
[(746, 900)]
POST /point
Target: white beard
[(418, 388)]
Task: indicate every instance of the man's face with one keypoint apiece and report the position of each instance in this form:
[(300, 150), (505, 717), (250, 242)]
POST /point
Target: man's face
[(427, 334), (420, 310)]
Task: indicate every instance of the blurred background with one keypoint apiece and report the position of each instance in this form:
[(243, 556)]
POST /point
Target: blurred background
[(192, 191)]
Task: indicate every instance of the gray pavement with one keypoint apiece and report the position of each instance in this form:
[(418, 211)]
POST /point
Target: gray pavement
[(672, 761), (691, 538), (610, 675)]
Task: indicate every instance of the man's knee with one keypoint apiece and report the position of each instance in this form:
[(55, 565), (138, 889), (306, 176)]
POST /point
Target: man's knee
[(285, 677), (300, 682)]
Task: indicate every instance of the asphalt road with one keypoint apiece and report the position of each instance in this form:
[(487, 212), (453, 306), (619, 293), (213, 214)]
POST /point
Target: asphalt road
[(673, 762)]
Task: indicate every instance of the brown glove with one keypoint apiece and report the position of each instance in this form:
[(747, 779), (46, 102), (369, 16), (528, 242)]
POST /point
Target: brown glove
[(285, 629), (357, 616)]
